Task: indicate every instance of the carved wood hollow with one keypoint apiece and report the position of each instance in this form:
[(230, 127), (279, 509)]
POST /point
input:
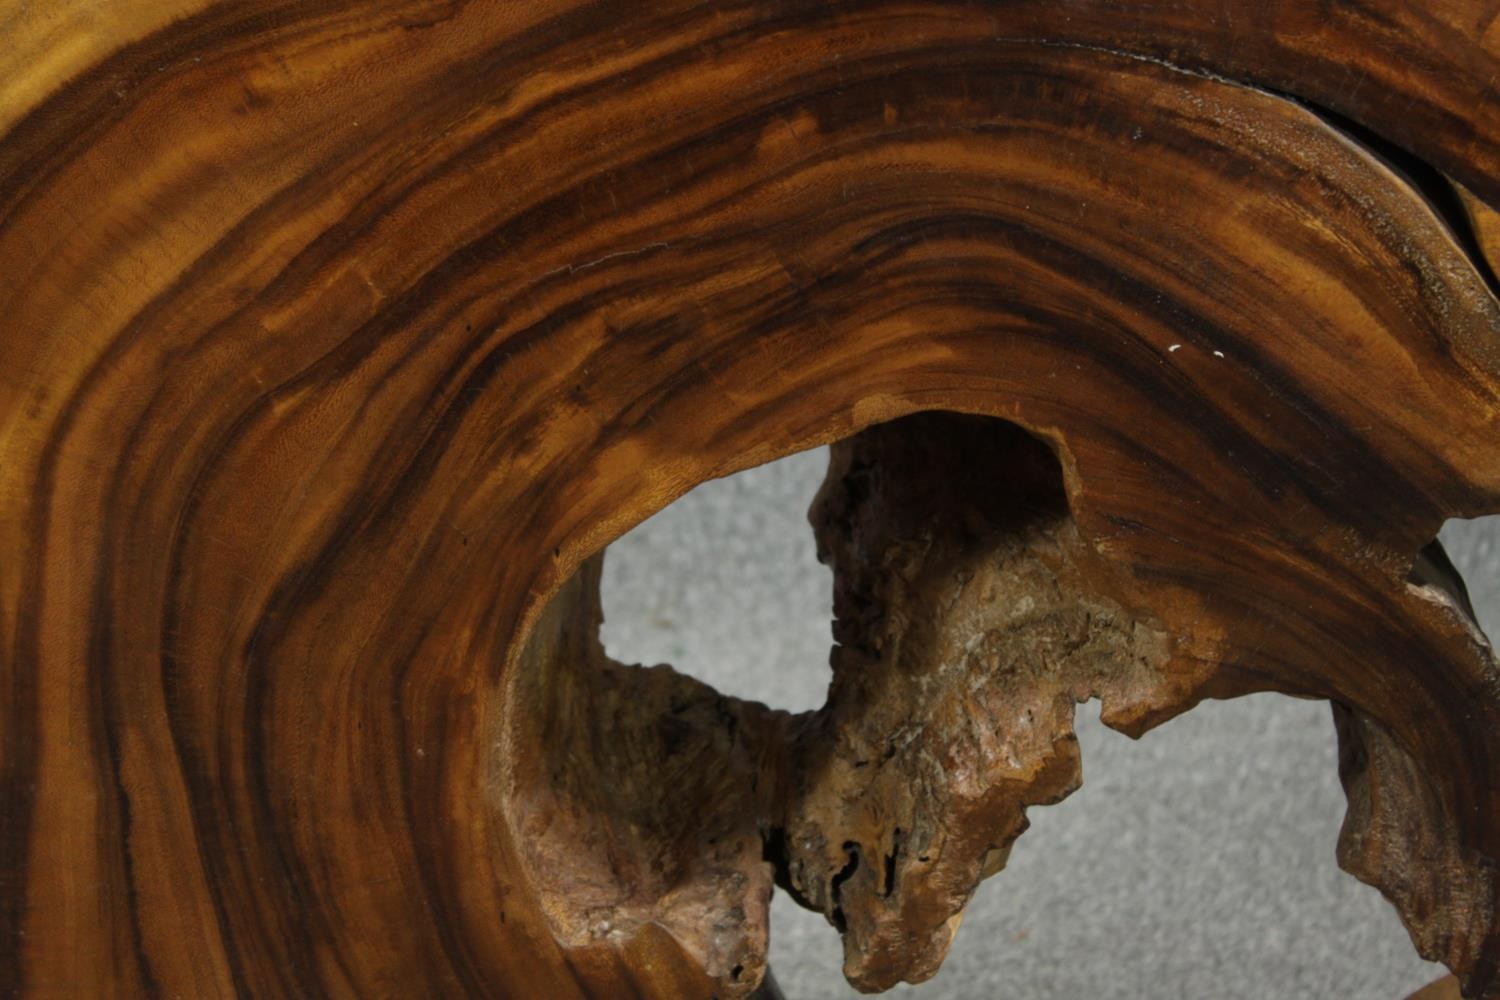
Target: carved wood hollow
[(971, 616)]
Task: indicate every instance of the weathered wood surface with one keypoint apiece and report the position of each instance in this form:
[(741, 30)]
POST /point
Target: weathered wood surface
[(340, 338)]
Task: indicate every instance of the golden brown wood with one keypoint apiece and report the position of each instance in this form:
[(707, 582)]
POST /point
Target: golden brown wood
[(1444, 989), (341, 338), (1485, 222)]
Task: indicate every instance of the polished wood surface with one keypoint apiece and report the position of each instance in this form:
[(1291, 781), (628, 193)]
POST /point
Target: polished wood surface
[(340, 338), (1444, 989)]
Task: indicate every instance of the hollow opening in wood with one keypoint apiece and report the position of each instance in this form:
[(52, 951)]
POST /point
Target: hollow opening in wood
[(1472, 548), (724, 585), (970, 617)]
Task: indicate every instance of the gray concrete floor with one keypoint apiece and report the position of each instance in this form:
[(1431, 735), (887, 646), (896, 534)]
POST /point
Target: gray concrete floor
[(1197, 862)]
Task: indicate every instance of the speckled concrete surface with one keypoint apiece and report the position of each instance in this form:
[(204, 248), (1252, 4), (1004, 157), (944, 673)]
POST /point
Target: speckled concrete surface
[(1197, 862)]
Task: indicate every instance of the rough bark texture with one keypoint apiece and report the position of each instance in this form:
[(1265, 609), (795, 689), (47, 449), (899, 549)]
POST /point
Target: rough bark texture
[(341, 338), (971, 617)]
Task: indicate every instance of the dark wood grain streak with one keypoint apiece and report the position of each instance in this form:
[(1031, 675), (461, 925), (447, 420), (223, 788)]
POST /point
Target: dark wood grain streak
[(342, 338)]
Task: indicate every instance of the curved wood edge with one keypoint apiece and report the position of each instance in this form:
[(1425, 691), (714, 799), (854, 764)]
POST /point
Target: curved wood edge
[(1423, 75), (1486, 226), (1443, 989)]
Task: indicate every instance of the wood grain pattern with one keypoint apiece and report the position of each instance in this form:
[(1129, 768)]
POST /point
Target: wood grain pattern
[(341, 338)]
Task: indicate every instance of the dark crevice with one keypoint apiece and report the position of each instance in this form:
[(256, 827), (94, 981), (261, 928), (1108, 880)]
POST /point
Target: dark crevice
[(773, 849), (890, 863), (1430, 183), (1433, 568), (836, 885), (776, 852), (1427, 181)]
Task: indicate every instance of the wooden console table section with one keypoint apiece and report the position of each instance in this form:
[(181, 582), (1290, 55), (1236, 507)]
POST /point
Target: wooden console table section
[(340, 338)]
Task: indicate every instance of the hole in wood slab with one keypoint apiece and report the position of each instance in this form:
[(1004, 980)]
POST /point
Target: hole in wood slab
[(725, 585), (970, 617), (1446, 200)]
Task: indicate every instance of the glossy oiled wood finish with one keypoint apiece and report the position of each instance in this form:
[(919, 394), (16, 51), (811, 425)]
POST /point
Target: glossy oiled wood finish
[(340, 337), (1444, 989)]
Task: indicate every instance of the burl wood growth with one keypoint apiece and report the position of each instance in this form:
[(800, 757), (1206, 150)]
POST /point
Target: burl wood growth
[(340, 338)]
